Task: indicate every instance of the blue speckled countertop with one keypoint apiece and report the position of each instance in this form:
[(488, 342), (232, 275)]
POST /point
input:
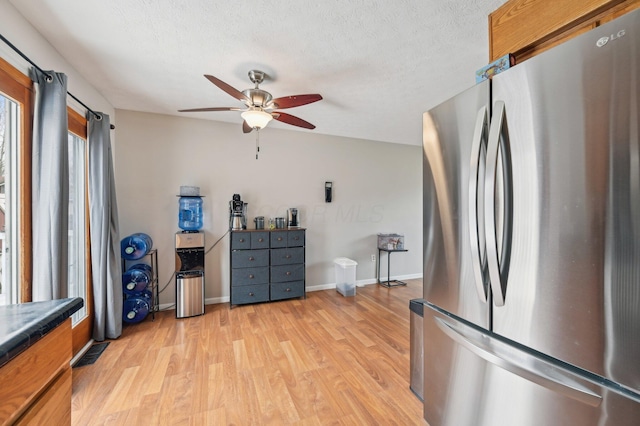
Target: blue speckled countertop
[(24, 324)]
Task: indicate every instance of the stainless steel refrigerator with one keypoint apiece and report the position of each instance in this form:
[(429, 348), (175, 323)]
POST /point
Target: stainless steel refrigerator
[(532, 241)]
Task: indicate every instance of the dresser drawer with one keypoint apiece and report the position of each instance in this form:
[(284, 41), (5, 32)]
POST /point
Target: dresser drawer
[(260, 240), (249, 276), (287, 256), (286, 273), (278, 239), (240, 240), (249, 258), (288, 290), (249, 294), (295, 239)]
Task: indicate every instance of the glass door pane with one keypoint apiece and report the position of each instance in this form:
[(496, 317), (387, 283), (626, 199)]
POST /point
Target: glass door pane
[(77, 234), (9, 138)]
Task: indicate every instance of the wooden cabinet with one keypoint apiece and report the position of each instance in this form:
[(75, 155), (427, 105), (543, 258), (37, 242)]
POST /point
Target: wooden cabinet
[(53, 406), (526, 28), (267, 265), (35, 386)]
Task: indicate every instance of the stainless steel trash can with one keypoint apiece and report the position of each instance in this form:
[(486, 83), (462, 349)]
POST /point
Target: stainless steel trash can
[(416, 355), (189, 294)]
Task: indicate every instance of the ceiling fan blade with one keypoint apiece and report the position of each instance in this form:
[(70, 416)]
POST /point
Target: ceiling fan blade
[(245, 127), (230, 90), (297, 100), (210, 109), (293, 120)]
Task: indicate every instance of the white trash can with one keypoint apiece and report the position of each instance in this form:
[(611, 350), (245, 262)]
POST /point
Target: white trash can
[(346, 276)]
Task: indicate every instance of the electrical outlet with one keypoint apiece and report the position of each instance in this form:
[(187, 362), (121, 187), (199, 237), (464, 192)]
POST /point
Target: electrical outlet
[(373, 257)]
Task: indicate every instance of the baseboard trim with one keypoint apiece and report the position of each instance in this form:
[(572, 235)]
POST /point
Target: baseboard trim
[(81, 352), (362, 283), (319, 287)]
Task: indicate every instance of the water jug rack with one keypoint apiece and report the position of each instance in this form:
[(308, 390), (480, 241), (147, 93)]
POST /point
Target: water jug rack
[(151, 258)]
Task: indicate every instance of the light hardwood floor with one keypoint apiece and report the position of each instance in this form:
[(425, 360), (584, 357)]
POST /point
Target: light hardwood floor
[(322, 360)]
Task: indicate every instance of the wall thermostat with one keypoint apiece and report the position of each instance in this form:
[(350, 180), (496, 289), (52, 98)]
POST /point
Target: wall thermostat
[(327, 192)]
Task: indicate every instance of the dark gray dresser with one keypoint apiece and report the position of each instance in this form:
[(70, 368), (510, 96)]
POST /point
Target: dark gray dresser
[(267, 265)]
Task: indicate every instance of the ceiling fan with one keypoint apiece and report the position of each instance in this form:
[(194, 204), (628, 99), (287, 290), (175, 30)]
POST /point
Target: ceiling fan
[(260, 104)]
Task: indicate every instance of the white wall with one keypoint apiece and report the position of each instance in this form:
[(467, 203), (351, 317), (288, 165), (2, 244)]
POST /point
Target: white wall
[(25, 37), (377, 188)]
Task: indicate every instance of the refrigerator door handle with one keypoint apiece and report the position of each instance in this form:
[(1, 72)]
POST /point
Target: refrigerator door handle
[(498, 151), (526, 364), (476, 234)]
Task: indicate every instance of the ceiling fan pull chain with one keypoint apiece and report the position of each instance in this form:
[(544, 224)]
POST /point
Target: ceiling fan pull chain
[(257, 142)]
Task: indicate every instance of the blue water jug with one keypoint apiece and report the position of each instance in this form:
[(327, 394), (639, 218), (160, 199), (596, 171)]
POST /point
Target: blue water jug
[(136, 308), (136, 279), (135, 246), (190, 213)]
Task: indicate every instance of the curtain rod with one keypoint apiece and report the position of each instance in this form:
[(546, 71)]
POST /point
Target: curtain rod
[(26, 58)]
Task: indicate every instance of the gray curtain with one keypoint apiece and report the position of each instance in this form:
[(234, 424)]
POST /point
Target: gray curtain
[(50, 186), (105, 239)]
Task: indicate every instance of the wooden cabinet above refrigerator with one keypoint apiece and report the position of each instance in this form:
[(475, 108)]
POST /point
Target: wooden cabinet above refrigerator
[(526, 28)]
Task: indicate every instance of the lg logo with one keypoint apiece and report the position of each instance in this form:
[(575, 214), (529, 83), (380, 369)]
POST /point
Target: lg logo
[(604, 40)]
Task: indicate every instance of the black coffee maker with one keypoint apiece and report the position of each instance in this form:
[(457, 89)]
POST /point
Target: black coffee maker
[(293, 218), (237, 213)]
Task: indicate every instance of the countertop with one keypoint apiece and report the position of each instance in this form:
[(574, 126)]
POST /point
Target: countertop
[(24, 324)]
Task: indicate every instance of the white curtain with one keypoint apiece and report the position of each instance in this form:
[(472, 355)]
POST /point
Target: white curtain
[(50, 186), (105, 239)]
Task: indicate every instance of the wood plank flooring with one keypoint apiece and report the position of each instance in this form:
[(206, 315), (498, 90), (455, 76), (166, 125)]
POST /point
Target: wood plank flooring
[(322, 360)]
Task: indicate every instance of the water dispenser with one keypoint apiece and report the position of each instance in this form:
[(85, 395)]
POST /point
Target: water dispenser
[(189, 274)]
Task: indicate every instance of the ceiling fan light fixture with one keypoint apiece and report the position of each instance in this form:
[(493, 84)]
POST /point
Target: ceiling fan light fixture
[(260, 104), (256, 119)]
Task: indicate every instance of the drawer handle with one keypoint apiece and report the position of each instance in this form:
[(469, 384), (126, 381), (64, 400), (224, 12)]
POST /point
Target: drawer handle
[(260, 240), (288, 289), (288, 256), (296, 238), (250, 293), (288, 273), (279, 238), (242, 240), (251, 258), (251, 276)]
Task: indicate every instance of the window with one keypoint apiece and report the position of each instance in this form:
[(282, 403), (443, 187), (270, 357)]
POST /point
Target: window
[(77, 223), (15, 202), (79, 280), (9, 147), (15, 185)]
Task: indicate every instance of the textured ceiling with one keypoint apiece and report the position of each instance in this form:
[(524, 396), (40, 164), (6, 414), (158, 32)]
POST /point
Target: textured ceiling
[(378, 63)]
